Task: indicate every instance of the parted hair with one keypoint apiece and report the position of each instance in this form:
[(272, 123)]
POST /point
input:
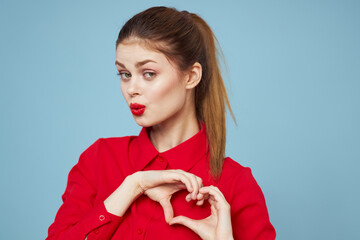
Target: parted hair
[(186, 38)]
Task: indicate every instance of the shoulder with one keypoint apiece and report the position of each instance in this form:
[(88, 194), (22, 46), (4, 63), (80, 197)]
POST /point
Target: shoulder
[(110, 143), (232, 169), (249, 212), (240, 180), (102, 153), (104, 148), (113, 141)]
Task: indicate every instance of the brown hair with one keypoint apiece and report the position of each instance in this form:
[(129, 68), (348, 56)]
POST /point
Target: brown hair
[(189, 39)]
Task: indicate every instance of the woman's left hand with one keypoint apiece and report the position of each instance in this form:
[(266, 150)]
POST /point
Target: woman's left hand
[(218, 224)]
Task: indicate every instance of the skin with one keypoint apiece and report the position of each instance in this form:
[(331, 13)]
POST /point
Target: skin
[(154, 84), (168, 95), (218, 224)]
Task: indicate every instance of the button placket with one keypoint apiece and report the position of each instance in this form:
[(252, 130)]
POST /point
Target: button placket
[(162, 162)]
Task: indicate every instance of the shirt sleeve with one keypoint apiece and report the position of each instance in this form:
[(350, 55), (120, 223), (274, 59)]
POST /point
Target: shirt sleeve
[(249, 214), (78, 217)]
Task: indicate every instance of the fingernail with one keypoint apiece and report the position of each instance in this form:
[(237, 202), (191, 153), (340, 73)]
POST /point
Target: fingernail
[(188, 198)]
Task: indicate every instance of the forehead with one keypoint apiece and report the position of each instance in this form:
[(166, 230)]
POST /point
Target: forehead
[(134, 50)]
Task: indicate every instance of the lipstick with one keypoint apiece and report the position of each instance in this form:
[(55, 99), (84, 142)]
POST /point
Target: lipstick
[(137, 109)]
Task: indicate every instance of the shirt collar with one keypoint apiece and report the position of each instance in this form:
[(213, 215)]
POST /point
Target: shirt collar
[(183, 156)]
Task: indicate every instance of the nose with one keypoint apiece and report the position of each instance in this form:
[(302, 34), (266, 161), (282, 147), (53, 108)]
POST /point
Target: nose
[(133, 88)]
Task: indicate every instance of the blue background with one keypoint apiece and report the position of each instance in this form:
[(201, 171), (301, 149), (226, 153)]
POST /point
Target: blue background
[(293, 80)]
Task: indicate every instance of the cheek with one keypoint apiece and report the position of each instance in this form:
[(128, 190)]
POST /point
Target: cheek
[(169, 94)]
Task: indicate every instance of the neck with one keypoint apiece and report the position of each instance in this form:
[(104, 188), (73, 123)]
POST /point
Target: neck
[(167, 135)]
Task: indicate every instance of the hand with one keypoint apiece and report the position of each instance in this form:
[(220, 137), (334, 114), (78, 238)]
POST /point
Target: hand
[(218, 224), (160, 185)]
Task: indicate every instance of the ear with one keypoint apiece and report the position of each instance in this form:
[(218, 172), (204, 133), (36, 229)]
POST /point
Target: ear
[(193, 76)]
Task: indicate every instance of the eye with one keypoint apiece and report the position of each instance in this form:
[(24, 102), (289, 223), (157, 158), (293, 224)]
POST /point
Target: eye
[(149, 75), (124, 75)]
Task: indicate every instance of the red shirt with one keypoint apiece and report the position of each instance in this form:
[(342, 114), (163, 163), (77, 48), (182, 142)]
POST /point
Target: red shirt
[(105, 164)]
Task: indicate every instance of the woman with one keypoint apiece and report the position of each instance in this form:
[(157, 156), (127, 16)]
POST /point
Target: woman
[(172, 181)]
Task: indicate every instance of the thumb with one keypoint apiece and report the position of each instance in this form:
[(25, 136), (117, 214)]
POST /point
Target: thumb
[(187, 222), (168, 210)]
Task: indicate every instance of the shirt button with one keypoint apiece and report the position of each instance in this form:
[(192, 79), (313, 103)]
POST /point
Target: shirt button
[(96, 231), (139, 231), (161, 159), (101, 217)]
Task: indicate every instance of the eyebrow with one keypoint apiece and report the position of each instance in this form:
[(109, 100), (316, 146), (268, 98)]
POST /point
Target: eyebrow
[(138, 64)]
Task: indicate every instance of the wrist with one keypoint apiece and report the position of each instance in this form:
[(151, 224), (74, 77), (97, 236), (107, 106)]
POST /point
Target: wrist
[(228, 237), (133, 181), (121, 199)]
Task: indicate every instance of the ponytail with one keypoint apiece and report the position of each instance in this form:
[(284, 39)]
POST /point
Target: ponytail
[(212, 102)]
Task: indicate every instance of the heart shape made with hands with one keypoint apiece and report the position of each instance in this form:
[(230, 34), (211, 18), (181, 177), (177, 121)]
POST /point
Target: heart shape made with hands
[(212, 218), (190, 209), (172, 198)]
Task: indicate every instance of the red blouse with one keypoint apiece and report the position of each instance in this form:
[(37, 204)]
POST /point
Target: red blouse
[(105, 164)]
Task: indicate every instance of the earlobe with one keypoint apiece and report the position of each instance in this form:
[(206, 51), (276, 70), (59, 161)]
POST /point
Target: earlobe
[(194, 76)]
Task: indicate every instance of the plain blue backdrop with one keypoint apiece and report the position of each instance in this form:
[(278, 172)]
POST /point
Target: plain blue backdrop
[(293, 80)]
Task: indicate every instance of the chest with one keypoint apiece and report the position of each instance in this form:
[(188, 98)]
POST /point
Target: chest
[(145, 218)]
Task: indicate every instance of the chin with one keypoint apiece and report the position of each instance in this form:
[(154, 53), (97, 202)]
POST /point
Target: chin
[(143, 122)]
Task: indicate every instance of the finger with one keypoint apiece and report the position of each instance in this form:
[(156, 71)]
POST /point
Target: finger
[(173, 176), (188, 197), (216, 198), (216, 189), (168, 210), (201, 198), (214, 192), (195, 185), (182, 178), (187, 222), (196, 182), (212, 202), (201, 202), (200, 181), (203, 194), (199, 184), (213, 209), (179, 185)]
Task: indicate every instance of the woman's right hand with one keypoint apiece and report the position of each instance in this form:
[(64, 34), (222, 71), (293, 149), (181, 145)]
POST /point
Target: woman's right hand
[(160, 185)]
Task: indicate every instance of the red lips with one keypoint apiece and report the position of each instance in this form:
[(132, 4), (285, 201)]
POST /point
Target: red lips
[(137, 109)]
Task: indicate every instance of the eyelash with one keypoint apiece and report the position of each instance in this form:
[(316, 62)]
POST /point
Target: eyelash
[(152, 74), (120, 73)]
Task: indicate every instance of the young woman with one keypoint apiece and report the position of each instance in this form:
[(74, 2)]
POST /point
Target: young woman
[(172, 181)]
